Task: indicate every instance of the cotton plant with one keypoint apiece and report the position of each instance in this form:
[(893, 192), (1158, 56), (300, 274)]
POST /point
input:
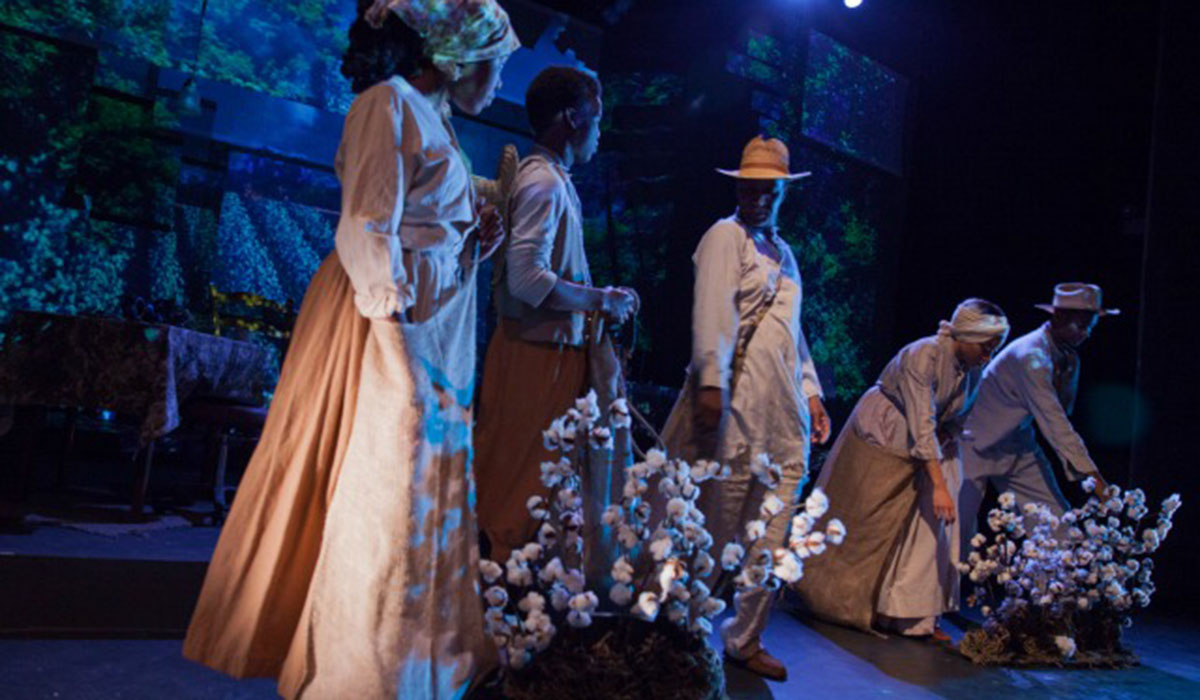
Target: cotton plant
[(665, 550), (541, 587), (1067, 583)]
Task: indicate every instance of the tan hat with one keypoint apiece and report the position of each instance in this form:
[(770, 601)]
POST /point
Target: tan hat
[(764, 159), (1078, 296)]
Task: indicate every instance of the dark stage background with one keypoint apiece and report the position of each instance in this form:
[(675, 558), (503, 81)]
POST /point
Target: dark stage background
[(986, 148)]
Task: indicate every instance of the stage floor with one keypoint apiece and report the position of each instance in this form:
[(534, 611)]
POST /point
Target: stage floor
[(824, 661)]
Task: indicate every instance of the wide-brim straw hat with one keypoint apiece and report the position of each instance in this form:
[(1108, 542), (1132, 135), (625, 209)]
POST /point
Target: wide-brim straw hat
[(1078, 296), (764, 159)]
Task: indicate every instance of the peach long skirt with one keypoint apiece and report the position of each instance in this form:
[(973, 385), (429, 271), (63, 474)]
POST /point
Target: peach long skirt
[(525, 387), (347, 567)]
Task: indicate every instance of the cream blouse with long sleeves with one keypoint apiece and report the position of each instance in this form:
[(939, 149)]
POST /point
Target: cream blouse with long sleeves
[(923, 388), (769, 404), (407, 202), (545, 244)]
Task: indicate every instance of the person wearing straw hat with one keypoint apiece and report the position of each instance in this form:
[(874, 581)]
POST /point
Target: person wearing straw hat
[(751, 386), (892, 480), (1033, 381)]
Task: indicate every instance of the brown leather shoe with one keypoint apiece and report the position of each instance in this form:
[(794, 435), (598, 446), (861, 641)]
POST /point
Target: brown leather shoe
[(761, 663), (939, 636)]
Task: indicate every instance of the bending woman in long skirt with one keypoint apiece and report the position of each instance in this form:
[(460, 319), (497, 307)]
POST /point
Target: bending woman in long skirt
[(347, 567), (893, 477)]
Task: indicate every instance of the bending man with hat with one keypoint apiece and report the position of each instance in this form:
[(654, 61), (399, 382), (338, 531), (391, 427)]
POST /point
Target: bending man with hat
[(751, 386), (892, 479), (1034, 380)]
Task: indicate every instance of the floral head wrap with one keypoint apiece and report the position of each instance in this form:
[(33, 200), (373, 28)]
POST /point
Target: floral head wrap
[(971, 326), (454, 31)]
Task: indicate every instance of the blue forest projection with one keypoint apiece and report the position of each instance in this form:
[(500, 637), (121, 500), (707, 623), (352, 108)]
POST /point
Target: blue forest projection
[(854, 104), (155, 147)]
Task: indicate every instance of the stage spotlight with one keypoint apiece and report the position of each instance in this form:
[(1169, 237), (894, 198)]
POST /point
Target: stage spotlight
[(852, 3)]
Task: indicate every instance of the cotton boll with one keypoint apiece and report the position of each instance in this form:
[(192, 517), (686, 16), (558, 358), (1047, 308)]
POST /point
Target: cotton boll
[(552, 571), (1066, 646), (496, 596), (626, 537), (560, 597), (661, 548), (732, 555), (520, 575), (547, 535), (600, 438), (656, 459), (536, 505), (712, 607), (788, 567), (490, 570), (815, 542), (532, 601), (532, 552), (621, 594), (584, 602), (802, 524), (679, 591), (518, 658), (619, 414), (817, 503), (771, 506), (701, 626), (622, 570), (647, 607), (574, 581)]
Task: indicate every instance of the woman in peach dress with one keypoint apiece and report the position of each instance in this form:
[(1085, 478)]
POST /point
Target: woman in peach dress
[(347, 567)]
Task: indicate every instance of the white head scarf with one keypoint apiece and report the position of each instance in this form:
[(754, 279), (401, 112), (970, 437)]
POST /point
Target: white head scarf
[(972, 326)]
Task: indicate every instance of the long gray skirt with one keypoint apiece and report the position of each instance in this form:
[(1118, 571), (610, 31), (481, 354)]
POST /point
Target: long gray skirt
[(874, 494)]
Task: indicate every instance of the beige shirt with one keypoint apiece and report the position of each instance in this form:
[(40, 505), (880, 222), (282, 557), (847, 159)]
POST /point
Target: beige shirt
[(407, 202), (732, 281), (545, 245), (1018, 390), (769, 404), (922, 389)]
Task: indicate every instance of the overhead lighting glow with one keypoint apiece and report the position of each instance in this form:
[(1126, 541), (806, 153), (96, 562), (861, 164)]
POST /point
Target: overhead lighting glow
[(853, 3)]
